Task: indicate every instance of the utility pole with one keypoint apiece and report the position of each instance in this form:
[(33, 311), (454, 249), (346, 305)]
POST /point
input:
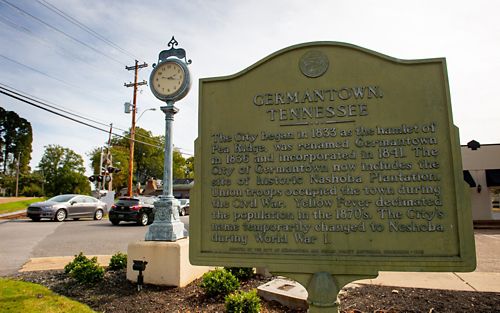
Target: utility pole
[(17, 173), (132, 129), (109, 158)]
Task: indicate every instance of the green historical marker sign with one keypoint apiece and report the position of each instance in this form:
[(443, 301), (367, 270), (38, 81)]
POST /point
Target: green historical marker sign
[(329, 159)]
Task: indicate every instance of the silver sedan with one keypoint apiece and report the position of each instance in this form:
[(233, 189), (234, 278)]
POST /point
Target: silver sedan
[(72, 206)]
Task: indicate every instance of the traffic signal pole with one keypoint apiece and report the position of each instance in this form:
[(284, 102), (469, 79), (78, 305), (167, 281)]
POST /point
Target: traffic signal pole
[(132, 129)]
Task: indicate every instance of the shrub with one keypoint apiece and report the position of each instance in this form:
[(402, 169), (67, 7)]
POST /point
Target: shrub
[(88, 273), (243, 302), (118, 261), (219, 282), (79, 259), (84, 270), (242, 273)]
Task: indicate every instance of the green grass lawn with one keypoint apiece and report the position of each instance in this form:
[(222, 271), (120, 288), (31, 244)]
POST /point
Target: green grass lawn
[(17, 296), (18, 205)]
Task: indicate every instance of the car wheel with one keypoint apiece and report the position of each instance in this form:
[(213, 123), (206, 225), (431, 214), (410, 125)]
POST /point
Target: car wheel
[(182, 212), (151, 219), (115, 222), (60, 215), (35, 218), (98, 215), (144, 219)]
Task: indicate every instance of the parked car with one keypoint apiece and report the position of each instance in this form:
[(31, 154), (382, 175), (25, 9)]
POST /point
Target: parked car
[(72, 206), (184, 207), (133, 209)]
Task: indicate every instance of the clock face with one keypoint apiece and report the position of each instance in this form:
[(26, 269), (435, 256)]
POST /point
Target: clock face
[(168, 78)]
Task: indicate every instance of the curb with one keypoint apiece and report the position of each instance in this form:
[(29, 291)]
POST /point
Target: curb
[(7, 215)]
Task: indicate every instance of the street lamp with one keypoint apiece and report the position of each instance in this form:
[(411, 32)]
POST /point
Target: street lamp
[(150, 109)]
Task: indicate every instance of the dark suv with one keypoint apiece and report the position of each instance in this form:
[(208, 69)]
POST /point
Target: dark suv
[(133, 209)]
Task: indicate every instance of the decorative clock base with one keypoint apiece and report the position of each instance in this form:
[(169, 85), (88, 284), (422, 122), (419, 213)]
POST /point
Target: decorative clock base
[(167, 225)]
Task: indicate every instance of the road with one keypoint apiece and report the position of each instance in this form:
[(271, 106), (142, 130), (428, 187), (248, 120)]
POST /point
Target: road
[(23, 239)]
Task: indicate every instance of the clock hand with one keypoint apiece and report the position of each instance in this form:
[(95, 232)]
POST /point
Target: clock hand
[(169, 78)]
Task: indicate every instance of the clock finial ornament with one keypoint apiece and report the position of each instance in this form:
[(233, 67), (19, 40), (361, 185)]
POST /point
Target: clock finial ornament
[(170, 79)]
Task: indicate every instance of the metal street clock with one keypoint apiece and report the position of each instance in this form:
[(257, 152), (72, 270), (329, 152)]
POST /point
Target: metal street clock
[(170, 79), (170, 82)]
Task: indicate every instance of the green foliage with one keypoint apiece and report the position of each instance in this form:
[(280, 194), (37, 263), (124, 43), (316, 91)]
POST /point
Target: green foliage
[(179, 165), (118, 157), (30, 184), (219, 282), (63, 171), (190, 167), (118, 261), (19, 296), (79, 259), (88, 273), (148, 159), (242, 273), (243, 302), (84, 270)]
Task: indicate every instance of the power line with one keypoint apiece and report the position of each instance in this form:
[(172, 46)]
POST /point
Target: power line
[(47, 75), (5, 20), (61, 32), (35, 70), (82, 26), (60, 108), (30, 101), (21, 28), (48, 104)]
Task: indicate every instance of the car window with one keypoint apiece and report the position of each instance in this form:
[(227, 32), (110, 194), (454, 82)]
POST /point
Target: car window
[(61, 198), (79, 200), (90, 200), (127, 202)]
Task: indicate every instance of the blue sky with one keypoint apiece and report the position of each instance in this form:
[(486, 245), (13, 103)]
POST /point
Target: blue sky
[(222, 38)]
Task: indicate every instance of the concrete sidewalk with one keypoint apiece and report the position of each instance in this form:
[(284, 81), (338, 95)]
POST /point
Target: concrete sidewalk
[(475, 281), (58, 263)]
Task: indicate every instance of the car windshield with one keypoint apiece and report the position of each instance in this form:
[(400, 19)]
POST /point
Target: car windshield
[(61, 198)]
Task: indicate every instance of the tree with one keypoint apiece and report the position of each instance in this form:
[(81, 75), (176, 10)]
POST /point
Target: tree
[(119, 159), (183, 168), (32, 185), (63, 171), (179, 165), (16, 137), (148, 158), (190, 167)]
